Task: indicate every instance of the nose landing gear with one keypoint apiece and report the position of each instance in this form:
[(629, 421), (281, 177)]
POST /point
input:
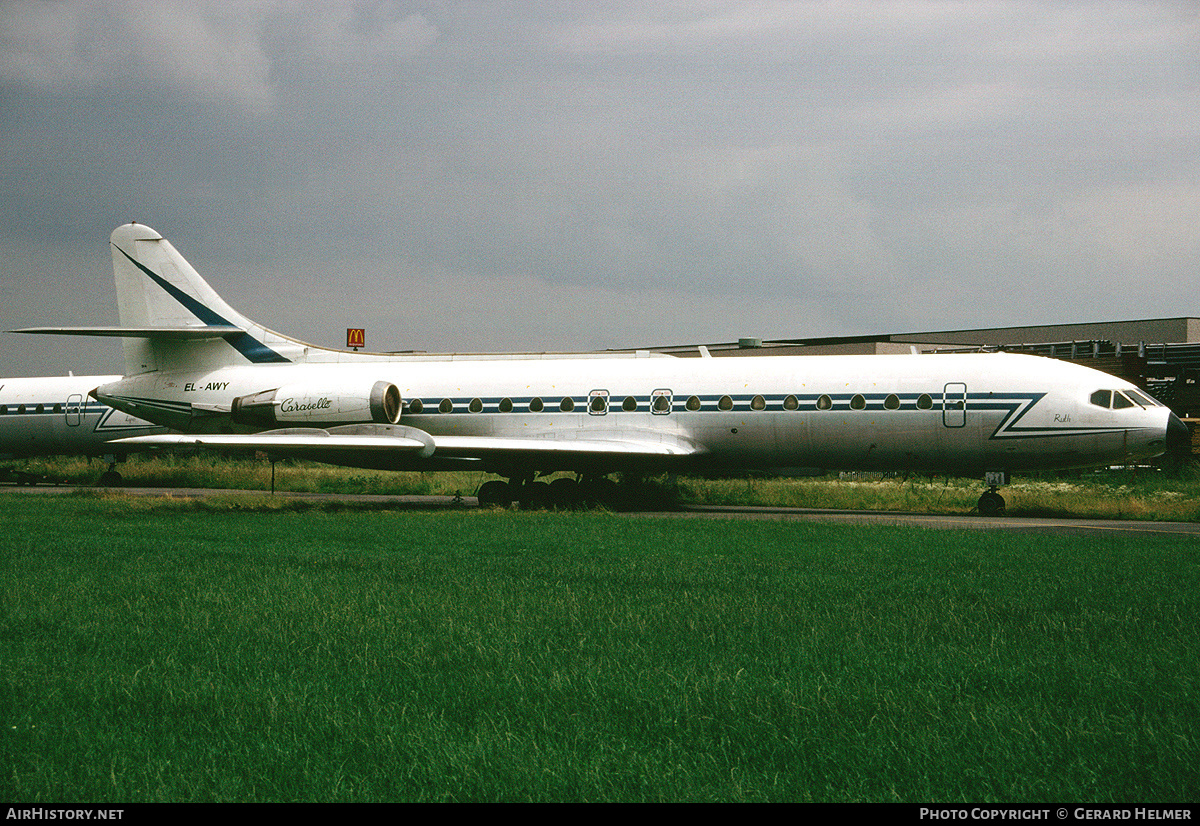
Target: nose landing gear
[(991, 503), (110, 478)]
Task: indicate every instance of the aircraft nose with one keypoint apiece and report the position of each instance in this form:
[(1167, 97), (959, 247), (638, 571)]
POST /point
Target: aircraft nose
[(1179, 438)]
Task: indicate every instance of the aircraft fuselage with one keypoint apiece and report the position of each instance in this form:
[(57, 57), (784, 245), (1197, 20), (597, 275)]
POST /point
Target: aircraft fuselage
[(968, 413)]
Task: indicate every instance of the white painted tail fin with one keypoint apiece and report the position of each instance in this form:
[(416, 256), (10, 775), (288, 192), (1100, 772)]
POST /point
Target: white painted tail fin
[(157, 287), (174, 320)]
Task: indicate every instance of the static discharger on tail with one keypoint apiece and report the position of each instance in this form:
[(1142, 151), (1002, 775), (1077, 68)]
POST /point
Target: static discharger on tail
[(196, 365)]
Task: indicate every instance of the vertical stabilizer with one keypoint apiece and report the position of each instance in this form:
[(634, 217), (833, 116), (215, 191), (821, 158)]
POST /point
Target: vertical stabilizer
[(158, 288)]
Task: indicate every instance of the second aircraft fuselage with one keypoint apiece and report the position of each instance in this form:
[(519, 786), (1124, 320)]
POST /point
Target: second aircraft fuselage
[(54, 415)]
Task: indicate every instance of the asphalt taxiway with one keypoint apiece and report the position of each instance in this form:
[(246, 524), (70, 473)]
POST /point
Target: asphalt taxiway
[(1021, 524)]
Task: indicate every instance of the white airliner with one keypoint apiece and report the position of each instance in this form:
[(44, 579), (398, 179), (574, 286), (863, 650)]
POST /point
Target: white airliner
[(55, 416), (196, 365)]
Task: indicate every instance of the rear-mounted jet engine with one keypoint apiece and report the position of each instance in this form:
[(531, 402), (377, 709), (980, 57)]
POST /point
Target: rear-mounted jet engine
[(300, 404)]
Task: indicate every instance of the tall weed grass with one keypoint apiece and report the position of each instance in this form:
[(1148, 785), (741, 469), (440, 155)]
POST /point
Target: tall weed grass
[(1145, 494)]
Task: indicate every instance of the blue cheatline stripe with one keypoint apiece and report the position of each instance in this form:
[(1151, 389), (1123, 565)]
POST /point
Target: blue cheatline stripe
[(105, 426), (709, 402), (164, 405), (250, 347)]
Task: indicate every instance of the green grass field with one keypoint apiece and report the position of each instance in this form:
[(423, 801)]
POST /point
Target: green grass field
[(226, 651)]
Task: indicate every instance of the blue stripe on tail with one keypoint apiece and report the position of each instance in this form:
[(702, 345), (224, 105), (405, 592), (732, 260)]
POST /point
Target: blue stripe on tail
[(246, 344)]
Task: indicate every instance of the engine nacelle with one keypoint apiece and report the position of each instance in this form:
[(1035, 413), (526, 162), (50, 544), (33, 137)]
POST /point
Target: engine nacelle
[(296, 403)]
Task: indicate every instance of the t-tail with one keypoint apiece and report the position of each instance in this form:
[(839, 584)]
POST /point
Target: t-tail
[(171, 319), (176, 320)]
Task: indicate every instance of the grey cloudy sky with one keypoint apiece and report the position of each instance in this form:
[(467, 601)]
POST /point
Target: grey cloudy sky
[(580, 175)]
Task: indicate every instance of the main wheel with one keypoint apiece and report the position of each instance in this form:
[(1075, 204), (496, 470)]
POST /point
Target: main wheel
[(494, 494), (598, 492), (564, 493), (534, 496)]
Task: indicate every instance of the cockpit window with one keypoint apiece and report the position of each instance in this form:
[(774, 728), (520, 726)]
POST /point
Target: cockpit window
[(1122, 399), (1120, 402), (1142, 399)]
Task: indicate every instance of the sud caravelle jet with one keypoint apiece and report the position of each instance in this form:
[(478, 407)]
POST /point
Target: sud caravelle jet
[(196, 365), (54, 416)]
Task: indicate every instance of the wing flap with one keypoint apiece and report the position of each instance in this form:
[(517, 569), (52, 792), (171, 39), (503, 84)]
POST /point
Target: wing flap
[(468, 446), (317, 441), (374, 439)]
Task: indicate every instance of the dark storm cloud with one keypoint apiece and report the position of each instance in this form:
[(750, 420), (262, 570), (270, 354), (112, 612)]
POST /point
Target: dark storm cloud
[(577, 175)]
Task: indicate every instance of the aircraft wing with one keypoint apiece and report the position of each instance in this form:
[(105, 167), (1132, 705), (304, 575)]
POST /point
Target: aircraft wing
[(595, 444), (307, 440), (313, 442)]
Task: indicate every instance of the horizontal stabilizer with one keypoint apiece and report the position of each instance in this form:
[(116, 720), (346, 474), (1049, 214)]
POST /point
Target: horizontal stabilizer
[(176, 333)]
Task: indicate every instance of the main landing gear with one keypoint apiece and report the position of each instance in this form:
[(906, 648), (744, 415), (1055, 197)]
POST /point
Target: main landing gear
[(563, 493), (991, 503)]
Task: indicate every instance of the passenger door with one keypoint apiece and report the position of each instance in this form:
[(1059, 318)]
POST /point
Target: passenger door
[(954, 405), (74, 411)]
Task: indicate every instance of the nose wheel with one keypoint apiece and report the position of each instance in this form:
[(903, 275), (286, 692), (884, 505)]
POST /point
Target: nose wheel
[(991, 503), (110, 478)]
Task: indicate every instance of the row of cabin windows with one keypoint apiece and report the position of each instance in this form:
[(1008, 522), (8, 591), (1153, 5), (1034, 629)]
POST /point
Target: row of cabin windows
[(39, 408), (662, 404), (892, 402)]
